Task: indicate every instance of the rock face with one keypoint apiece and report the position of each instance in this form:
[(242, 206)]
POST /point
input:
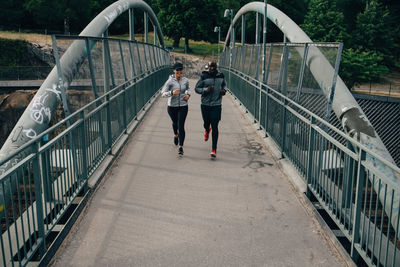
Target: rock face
[(11, 108), (193, 66)]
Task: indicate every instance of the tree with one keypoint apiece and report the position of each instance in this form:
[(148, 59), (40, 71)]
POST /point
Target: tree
[(52, 14), (11, 13), (189, 19), (375, 31), (324, 22), (361, 66)]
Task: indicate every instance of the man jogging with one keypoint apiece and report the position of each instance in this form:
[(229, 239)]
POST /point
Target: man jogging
[(211, 87)]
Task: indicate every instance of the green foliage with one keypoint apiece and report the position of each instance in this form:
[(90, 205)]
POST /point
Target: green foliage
[(52, 14), (374, 31), (359, 66), (370, 43), (11, 13), (324, 23), (189, 19), (13, 52)]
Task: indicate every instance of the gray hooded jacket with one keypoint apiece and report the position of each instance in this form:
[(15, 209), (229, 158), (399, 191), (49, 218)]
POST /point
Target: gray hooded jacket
[(213, 98), (172, 84)]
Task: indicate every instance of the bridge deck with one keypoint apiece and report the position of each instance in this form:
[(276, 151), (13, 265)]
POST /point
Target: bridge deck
[(155, 209)]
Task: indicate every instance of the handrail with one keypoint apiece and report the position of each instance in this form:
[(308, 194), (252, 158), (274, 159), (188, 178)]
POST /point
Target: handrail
[(342, 175)]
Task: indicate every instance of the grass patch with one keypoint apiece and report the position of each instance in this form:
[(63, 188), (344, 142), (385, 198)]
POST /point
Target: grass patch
[(37, 38), (198, 48)]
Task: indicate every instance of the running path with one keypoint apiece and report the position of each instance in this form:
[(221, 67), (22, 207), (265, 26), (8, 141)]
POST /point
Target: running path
[(156, 209)]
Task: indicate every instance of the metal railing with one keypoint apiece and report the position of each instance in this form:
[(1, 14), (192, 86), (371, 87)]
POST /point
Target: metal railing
[(340, 173), (47, 176), (381, 89)]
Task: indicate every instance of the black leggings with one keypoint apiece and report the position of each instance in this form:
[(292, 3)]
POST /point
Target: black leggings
[(178, 117), (211, 116)]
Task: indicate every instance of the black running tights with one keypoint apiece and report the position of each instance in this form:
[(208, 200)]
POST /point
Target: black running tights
[(178, 117)]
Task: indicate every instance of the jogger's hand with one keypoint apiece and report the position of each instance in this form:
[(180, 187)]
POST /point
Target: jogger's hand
[(186, 97)]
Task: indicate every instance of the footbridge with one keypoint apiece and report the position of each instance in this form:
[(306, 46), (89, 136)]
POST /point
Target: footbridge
[(302, 178)]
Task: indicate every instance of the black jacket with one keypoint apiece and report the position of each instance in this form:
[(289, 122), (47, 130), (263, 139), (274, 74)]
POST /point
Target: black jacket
[(213, 98)]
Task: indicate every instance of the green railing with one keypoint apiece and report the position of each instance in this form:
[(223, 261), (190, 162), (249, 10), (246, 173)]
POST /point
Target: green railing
[(47, 176), (345, 177)]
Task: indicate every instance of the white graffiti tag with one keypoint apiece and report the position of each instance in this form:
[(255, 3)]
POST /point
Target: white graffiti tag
[(39, 110), (56, 90), (115, 13), (9, 164), (30, 133)]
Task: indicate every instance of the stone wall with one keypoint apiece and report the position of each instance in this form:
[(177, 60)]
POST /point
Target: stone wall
[(193, 66)]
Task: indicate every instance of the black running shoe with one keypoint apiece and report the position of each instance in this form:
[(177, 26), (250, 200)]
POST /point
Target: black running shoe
[(176, 140), (180, 151)]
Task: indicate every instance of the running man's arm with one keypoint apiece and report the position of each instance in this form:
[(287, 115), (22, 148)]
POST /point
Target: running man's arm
[(200, 88)]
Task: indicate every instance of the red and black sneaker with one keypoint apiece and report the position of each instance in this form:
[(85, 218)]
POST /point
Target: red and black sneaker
[(207, 134), (213, 153)]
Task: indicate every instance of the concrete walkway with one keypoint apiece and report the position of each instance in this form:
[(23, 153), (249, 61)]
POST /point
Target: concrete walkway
[(155, 209)]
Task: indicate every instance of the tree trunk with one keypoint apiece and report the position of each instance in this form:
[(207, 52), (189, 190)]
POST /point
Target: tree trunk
[(187, 48), (176, 42)]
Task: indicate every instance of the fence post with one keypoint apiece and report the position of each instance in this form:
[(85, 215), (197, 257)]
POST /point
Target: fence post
[(266, 110), (310, 156), (39, 203), (109, 121), (84, 150), (358, 204)]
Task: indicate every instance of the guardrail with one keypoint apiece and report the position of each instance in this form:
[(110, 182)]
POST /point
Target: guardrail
[(43, 183), (357, 195)]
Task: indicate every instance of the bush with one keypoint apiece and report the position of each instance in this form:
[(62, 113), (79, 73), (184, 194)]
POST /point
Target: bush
[(13, 52), (359, 66)]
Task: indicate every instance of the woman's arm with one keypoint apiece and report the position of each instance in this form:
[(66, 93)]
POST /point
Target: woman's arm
[(165, 91)]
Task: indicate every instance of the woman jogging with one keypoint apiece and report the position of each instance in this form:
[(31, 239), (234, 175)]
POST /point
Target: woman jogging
[(176, 88)]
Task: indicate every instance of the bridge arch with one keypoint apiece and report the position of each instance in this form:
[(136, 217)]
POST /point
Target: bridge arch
[(26, 128), (343, 103)]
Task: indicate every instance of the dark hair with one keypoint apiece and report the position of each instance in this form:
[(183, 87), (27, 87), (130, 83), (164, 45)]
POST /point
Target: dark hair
[(212, 64), (177, 66)]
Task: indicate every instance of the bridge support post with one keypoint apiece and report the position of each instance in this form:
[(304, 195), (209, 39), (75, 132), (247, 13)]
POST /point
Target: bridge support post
[(310, 157), (84, 174), (258, 27), (243, 30), (333, 87), (146, 27), (264, 40), (301, 77), (39, 204), (282, 88), (106, 71), (131, 24), (358, 204)]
